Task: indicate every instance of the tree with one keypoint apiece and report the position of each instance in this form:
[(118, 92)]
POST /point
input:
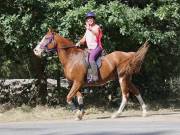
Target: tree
[(126, 25)]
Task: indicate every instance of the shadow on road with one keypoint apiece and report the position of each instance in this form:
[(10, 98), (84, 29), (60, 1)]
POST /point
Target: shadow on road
[(121, 133)]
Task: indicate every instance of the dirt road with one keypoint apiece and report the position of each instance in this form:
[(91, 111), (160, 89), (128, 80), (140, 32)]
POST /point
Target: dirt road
[(157, 123)]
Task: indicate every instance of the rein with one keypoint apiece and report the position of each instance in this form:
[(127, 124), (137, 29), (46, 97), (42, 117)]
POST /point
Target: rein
[(58, 48), (67, 46), (63, 47)]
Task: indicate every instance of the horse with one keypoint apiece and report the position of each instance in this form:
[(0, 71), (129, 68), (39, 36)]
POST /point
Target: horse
[(116, 65)]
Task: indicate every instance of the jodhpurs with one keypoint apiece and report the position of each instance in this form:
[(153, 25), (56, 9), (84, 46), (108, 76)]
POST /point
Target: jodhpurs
[(94, 53)]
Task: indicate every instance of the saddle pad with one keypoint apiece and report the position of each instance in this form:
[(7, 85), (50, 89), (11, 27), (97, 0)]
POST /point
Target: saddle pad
[(89, 71)]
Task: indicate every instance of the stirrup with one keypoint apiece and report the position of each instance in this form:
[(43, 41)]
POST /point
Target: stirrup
[(90, 79)]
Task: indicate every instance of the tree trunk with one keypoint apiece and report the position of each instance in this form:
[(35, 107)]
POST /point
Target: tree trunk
[(39, 71)]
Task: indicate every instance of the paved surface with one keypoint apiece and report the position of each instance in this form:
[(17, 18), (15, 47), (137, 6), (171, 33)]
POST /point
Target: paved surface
[(153, 125)]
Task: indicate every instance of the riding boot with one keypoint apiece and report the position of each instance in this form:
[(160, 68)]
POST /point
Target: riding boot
[(94, 71)]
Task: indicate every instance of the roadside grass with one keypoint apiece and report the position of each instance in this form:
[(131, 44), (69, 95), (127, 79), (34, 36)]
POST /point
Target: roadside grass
[(38, 113), (58, 113), (41, 113)]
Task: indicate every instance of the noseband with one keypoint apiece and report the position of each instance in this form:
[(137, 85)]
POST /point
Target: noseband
[(50, 40)]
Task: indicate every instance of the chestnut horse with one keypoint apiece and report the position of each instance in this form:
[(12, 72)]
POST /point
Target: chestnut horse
[(116, 65)]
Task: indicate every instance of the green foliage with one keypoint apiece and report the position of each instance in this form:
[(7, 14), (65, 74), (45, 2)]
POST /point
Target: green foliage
[(126, 25)]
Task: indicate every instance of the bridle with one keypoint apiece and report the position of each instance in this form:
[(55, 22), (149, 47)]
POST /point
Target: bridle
[(50, 39)]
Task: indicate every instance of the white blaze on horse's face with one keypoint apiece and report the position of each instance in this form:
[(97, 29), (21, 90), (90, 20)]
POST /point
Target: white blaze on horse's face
[(38, 50)]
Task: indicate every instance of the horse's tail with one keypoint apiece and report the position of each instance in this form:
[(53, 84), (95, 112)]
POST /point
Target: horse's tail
[(133, 64)]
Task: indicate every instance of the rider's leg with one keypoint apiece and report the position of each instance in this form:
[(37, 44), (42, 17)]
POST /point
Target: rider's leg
[(94, 53)]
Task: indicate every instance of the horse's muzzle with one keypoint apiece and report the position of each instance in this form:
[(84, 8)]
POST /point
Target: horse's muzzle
[(37, 52)]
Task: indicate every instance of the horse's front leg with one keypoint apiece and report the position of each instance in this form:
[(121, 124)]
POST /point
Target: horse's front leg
[(80, 113), (75, 91)]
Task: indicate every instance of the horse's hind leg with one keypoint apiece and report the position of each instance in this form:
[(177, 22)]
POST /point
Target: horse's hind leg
[(136, 93), (143, 105), (125, 95)]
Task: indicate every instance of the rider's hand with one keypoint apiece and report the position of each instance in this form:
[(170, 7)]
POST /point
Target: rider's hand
[(78, 44), (88, 27)]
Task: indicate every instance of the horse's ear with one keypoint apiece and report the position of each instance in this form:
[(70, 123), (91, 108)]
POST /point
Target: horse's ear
[(50, 29)]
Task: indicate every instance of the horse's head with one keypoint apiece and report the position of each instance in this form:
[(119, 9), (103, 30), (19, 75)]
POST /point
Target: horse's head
[(46, 45)]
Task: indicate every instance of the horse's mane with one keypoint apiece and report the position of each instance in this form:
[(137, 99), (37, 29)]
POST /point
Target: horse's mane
[(65, 41), (69, 46)]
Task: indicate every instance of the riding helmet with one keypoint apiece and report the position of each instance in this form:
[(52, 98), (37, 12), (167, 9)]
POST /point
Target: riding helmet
[(90, 14)]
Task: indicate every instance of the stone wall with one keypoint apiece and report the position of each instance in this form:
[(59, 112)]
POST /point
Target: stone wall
[(24, 91)]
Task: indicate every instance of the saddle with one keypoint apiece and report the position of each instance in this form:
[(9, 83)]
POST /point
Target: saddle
[(98, 63)]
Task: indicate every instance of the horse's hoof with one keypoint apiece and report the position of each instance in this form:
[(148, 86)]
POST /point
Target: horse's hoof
[(77, 119), (115, 115), (144, 114), (79, 115)]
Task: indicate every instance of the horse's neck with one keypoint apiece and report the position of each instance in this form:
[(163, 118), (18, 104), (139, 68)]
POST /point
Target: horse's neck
[(64, 54), (70, 55)]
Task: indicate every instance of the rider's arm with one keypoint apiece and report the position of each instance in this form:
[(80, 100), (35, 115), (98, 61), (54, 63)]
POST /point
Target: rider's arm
[(83, 40), (95, 30)]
